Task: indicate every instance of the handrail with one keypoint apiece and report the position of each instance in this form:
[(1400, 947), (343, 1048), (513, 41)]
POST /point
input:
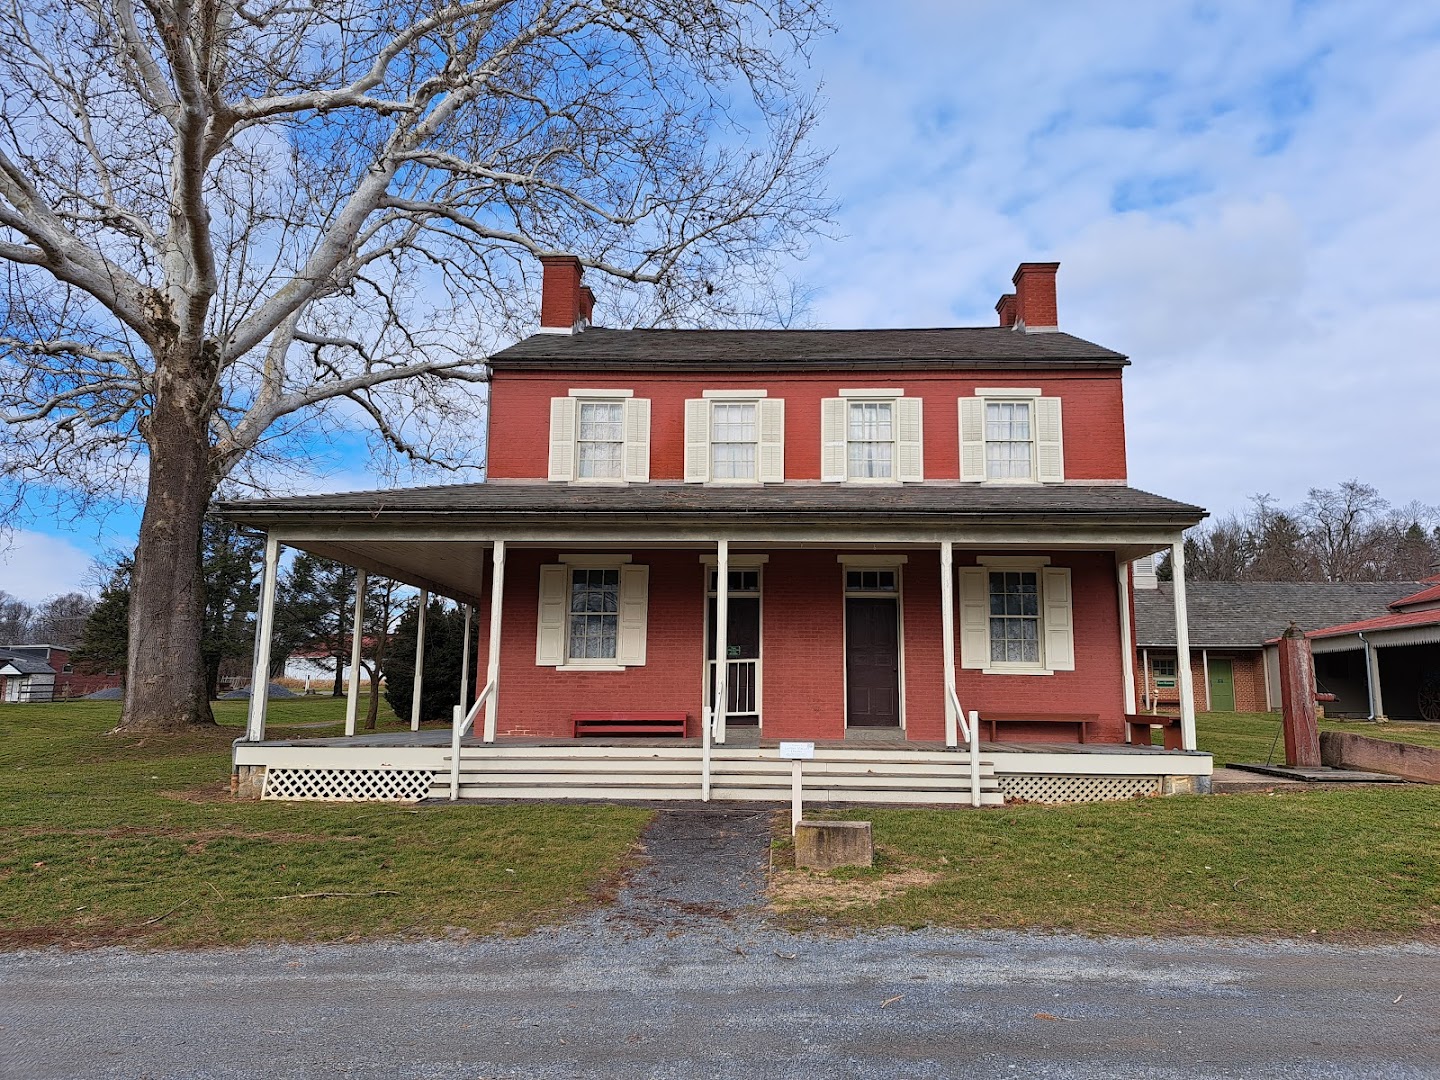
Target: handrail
[(971, 731), (460, 725), (708, 724)]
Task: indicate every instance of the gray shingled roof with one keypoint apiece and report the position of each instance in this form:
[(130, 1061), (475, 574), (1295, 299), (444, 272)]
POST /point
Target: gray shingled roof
[(25, 665), (502, 502), (1247, 614), (719, 350)]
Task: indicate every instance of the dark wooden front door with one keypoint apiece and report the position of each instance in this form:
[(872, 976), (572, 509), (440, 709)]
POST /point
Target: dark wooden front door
[(872, 662)]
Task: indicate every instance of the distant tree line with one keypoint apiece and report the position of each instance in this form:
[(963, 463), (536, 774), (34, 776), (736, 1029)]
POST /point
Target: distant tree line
[(1345, 533), (59, 620)]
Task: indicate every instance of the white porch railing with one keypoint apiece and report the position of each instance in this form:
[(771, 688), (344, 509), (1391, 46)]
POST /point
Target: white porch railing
[(460, 725), (742, 678), (970, 731)]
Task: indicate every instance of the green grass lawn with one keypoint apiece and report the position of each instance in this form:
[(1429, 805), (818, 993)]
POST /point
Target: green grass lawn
[(119, 839), (1351, 864), (1356, 864)]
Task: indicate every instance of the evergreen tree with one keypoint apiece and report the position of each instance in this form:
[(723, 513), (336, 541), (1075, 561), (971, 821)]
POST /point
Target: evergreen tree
[(444, 640)]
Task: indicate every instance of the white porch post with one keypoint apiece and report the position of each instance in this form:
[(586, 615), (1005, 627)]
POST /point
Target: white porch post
[(1372, 680), (1182, 646), (419, 662), (465, 660), (1205, 675), (722, 639), (492, 667), (1127, 636), (264, 629), (352, 697), (947, 639), (1145, 669)]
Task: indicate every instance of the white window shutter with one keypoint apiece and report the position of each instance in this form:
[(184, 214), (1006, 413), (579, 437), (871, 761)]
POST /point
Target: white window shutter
[(770, 413), (550, 629), (1059, 618), (1049, 446), (972, 438), (562, 438), (974, 617), (909, 440), (637, 440), (697, 441), (634, 604), (834, 463)]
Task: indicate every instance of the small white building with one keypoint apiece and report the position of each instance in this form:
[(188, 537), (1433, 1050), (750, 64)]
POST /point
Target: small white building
[(25, 679)]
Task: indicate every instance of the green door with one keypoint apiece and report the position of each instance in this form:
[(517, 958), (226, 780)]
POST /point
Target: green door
[(1222, 686)]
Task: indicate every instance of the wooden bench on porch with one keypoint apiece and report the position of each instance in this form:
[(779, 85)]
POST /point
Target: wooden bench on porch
[(630, 724), (1082, 721), (1138, 729)]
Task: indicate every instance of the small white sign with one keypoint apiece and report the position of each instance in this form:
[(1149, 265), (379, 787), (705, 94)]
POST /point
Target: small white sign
[(797, 751)]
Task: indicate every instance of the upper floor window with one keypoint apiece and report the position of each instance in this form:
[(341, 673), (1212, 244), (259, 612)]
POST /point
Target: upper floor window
[(871, 435), (1011, 434), (734, 437), (600, 436), (600, 444)]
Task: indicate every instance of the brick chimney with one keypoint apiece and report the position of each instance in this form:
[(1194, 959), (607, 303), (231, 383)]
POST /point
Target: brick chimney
[(565, 304), (1006, 308), (1035, 297)]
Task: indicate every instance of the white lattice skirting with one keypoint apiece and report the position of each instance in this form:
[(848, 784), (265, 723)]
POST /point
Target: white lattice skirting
[(1067, 789), (347, 785)]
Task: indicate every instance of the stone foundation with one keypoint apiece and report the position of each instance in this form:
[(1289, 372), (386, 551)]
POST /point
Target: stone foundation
[(247, 781), (824, 845)]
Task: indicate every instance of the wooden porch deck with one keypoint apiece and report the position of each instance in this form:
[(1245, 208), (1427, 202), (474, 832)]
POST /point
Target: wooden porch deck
[(737, 739)]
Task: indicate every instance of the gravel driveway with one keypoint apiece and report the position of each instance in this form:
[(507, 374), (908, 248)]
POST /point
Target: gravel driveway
[(684, 977)]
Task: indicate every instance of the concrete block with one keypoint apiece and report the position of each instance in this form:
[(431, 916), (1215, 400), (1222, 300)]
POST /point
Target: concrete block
[(824, 845), (1342, 750)]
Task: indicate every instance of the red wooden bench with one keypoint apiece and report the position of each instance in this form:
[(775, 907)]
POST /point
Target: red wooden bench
[(630, 724), (1082, 721), (1137, 729)]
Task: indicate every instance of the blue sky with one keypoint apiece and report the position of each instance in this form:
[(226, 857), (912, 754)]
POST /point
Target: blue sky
[(1243, 197)]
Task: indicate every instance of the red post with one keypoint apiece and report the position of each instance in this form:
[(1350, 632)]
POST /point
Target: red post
[(1297, 699)]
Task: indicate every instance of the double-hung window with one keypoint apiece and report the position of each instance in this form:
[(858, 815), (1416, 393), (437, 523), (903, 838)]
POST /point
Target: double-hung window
[(1011, 435), (1016, 616), (734, 437), (871, 436), (592, 613), (600, 442), (600, 437)]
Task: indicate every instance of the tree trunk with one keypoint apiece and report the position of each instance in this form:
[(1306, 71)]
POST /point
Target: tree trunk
[(165, 688)]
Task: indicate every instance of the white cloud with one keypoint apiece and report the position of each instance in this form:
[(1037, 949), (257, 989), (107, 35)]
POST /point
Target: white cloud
[(35, 566), (1242, 198)]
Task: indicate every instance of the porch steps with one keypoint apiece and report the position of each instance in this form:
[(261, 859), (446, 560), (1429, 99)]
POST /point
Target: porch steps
[(737, 775)]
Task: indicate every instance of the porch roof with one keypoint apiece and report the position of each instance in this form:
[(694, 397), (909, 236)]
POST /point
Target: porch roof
[(501, 502)]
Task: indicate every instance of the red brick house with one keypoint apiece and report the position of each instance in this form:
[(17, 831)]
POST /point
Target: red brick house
[(901, 540), (38, 672)]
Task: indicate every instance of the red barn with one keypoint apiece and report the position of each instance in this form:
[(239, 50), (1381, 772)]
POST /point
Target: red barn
[(696, 542)]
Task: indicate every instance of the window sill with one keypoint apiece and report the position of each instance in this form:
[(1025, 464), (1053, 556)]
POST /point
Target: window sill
[(1016, 671), (590, 667)]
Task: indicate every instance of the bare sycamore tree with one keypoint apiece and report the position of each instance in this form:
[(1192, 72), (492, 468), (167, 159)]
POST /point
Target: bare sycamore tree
[(228, 227)]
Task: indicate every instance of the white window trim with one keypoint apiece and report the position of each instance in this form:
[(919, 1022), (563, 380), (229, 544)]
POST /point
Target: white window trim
[(1000, 395), (880, 394), (601, 393), (571, 563), (768, 411), (875, 397), (872, 562), (1036, 564), (635, 427), (737, 562), (1001, 565)]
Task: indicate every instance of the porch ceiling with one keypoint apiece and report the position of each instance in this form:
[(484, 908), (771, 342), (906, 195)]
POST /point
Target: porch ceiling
[(447, 567)]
